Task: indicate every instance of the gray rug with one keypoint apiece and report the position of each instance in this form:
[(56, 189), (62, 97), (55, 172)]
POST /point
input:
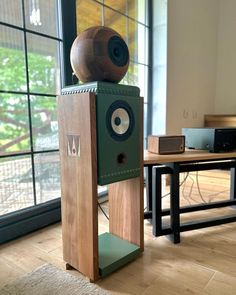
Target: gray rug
[(50, 280)]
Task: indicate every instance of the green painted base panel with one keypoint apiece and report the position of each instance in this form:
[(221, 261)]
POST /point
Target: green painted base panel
[(114, 253)]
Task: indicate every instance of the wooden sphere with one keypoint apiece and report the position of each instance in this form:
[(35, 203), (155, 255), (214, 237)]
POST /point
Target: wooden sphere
[(99, 54)]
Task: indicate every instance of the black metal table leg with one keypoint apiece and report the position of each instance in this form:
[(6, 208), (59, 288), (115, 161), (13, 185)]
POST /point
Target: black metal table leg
[(174, 204), (156, 202), (149, 188)]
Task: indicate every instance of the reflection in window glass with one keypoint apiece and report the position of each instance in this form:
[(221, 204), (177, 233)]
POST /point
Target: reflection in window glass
[(44, 122), (11, 12), (47, 177), (117, 22), (44, 65), (41, 16), (14, 124), (137, 42), (137, 9), (88, 14), (137, 76), (132, 8), (12, 60), (119, 5), (16, 187)]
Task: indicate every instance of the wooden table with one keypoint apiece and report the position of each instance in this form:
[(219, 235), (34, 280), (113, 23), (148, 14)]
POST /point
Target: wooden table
[(191, 160)]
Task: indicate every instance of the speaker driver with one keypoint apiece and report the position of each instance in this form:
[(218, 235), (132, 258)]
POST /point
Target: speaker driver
[(118, 51), (120, 120)]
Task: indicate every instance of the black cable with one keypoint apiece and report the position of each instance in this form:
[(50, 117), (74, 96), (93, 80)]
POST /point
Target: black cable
[(191, 189), (179, 186), (103, 211), (216, 194), (198, 187), (184, 182)]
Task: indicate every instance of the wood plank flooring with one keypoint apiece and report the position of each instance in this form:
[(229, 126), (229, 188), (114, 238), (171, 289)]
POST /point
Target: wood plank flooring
[(203, 263)]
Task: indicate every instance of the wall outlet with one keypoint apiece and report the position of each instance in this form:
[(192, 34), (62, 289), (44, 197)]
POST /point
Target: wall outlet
[(194, 115), (185, 114)]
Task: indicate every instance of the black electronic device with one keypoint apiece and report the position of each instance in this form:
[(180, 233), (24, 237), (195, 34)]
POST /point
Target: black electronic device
[(215, 140)]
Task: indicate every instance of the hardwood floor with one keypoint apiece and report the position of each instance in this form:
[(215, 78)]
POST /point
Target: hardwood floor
[(203, 263)]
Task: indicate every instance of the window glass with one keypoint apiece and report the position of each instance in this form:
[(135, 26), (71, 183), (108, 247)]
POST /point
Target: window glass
[(16, 187), (132, 8), (88, 14), (44, 122), (11, 12), (137, 76), (42, 16), (12, 60), (119, 5), (117, 22), (137, 42), (44, 65), (47, 176), (29, 82), (137, 10), (14, 124)]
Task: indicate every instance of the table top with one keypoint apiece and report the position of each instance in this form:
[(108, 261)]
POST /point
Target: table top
[(188, 155)]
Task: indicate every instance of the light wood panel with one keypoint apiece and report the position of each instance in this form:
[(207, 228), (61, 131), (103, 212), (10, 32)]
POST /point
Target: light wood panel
[(77, 117), (220, 120), (126, 210), (189, 155)]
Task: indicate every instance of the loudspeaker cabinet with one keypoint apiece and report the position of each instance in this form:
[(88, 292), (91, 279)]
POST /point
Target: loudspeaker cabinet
[(101, 142)]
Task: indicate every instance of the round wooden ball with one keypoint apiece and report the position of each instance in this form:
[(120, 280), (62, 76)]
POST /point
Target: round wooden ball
[(99, 54)]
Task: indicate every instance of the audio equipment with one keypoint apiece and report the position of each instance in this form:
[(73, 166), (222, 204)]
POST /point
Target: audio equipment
[(101, 142), (166, 144), (215, 140), (118, 123), (99, 54)]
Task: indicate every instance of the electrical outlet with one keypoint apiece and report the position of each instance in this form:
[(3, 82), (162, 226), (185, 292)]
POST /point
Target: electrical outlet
[(194, 115), (185, 114)]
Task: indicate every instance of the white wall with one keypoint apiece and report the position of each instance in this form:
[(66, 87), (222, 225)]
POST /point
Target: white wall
[(225, 98), (191, 62)]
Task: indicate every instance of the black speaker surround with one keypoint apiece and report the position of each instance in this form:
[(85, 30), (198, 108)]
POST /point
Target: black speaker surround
[(118, 51)]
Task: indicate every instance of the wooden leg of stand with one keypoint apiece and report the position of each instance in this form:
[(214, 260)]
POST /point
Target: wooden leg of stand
[(126, 212)]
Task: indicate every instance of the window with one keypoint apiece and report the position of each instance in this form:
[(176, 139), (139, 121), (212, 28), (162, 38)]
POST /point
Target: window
[(30, 79)]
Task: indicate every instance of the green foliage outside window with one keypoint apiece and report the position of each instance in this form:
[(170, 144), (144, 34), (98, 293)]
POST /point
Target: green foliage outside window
[(14, 122)]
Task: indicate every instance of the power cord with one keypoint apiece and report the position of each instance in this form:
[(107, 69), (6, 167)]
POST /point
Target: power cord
[(198, 187), (182, 182), (103, 211)]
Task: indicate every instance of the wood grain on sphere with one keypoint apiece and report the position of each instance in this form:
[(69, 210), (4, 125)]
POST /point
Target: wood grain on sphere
[(90, 58)]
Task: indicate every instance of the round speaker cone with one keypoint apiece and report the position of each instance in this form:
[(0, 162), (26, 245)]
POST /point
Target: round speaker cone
[(120, 121), (118, 51)]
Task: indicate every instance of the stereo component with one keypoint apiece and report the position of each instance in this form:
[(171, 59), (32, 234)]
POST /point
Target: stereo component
[(165, 144), (215, 140)]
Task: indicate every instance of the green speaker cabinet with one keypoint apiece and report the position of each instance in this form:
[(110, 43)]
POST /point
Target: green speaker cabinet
[(118, 129), (101, 142)]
